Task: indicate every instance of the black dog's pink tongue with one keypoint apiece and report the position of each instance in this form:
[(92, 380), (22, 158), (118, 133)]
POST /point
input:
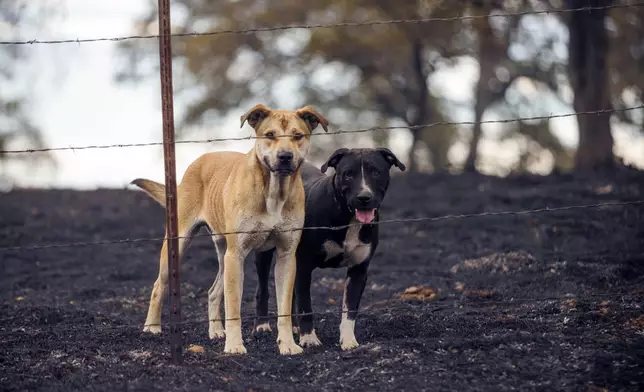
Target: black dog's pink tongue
[(365, 216)]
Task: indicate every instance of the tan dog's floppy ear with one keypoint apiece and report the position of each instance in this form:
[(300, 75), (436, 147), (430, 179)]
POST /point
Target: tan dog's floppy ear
[(312, 118), (255, 116), (334, 159), (391, 158)]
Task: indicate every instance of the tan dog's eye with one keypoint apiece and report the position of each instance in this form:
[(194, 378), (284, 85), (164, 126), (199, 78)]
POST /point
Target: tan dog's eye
[(298, 136), (269, 135)]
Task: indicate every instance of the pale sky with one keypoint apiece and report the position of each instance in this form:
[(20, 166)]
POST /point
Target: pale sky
[(79, 103)]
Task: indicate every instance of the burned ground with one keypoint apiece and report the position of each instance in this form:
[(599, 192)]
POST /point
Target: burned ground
[(545, 301)]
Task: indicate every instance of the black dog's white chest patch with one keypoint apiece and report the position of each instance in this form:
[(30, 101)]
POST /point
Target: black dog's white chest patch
[(352, 250)]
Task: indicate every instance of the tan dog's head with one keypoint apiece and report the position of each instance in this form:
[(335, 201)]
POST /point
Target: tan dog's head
[(283, 136)]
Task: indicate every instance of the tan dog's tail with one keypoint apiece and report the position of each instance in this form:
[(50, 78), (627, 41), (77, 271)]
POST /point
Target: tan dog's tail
[(152, 188)]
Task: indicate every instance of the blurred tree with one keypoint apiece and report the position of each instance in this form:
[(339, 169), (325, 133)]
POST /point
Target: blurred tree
[(539, 138), (589, 78), (381, 75), (491, 52), (508, 50), (361, 76), (16, 126), (626, 61), (605, 63), (394, 64), (529, 48)]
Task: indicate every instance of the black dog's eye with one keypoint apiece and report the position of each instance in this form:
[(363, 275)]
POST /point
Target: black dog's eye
[(269, 135), (375, 173), (298, 136), (348, 176)]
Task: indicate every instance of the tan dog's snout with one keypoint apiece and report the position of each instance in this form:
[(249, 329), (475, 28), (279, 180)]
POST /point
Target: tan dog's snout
[(285, 161), (283, 137)]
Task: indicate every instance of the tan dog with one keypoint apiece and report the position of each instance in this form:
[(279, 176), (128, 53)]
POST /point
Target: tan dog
[(229, 192)]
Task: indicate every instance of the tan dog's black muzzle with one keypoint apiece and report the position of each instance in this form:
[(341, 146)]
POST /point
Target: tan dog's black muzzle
[(285, 157), (285, 166)]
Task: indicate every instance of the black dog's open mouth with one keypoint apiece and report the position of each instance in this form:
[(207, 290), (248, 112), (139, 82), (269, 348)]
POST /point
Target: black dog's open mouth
[(365, 216)]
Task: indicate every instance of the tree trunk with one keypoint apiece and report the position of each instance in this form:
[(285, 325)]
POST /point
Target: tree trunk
[(411, 157), (440, 157), (588, 71), (486, 59), (422, 103), (477, 131)]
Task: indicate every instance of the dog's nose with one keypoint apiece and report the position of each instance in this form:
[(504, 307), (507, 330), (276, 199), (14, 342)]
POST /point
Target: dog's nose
[(364, 197), (285, 156)]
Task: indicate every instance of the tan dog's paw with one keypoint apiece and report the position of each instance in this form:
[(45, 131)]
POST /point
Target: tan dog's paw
[(348, 343), (154, 329), (290, 348), (234, 348), (216, 331), (310, 340), (265, 327)]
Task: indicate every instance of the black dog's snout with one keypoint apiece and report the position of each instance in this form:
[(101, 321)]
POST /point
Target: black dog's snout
[(364, 197), (285, 156)]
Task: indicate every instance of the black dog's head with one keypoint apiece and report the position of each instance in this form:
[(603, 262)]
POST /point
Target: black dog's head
[(362, 178)]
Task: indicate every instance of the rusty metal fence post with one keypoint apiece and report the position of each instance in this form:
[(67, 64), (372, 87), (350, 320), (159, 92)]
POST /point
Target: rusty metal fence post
[(165, 61)]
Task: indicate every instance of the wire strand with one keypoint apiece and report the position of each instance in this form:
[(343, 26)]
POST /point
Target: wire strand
[(386, 221), (325, 25), (436, 306), (340, 131)]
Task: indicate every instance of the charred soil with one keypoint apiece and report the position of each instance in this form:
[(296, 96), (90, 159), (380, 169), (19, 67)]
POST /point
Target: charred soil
[(545, 301)]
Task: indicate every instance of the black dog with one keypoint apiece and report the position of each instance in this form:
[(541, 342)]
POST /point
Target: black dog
[(350, 197)]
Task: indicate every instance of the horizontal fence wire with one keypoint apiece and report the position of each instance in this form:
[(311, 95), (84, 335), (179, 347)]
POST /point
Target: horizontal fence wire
[(437, 305), (328, 25), (340, 131), (386, 221)]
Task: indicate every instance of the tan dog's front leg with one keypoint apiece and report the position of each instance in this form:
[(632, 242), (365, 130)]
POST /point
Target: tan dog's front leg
[(233, 286), (284, 281)]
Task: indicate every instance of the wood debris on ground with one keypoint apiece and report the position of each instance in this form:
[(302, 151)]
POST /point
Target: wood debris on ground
[(419, 293)]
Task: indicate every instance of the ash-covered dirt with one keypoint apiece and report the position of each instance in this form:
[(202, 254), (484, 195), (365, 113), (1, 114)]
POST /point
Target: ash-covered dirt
[(549, 301)]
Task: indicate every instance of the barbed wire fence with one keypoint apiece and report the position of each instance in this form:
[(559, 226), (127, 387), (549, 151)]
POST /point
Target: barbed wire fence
[(331, 133), (432, 306), (253, 30), (168, 143), (334, 228)]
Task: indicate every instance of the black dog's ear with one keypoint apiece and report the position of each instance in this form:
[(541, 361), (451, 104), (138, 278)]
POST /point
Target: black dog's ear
[(391, 158), (313, 118), (255, 115), (334, 159)]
